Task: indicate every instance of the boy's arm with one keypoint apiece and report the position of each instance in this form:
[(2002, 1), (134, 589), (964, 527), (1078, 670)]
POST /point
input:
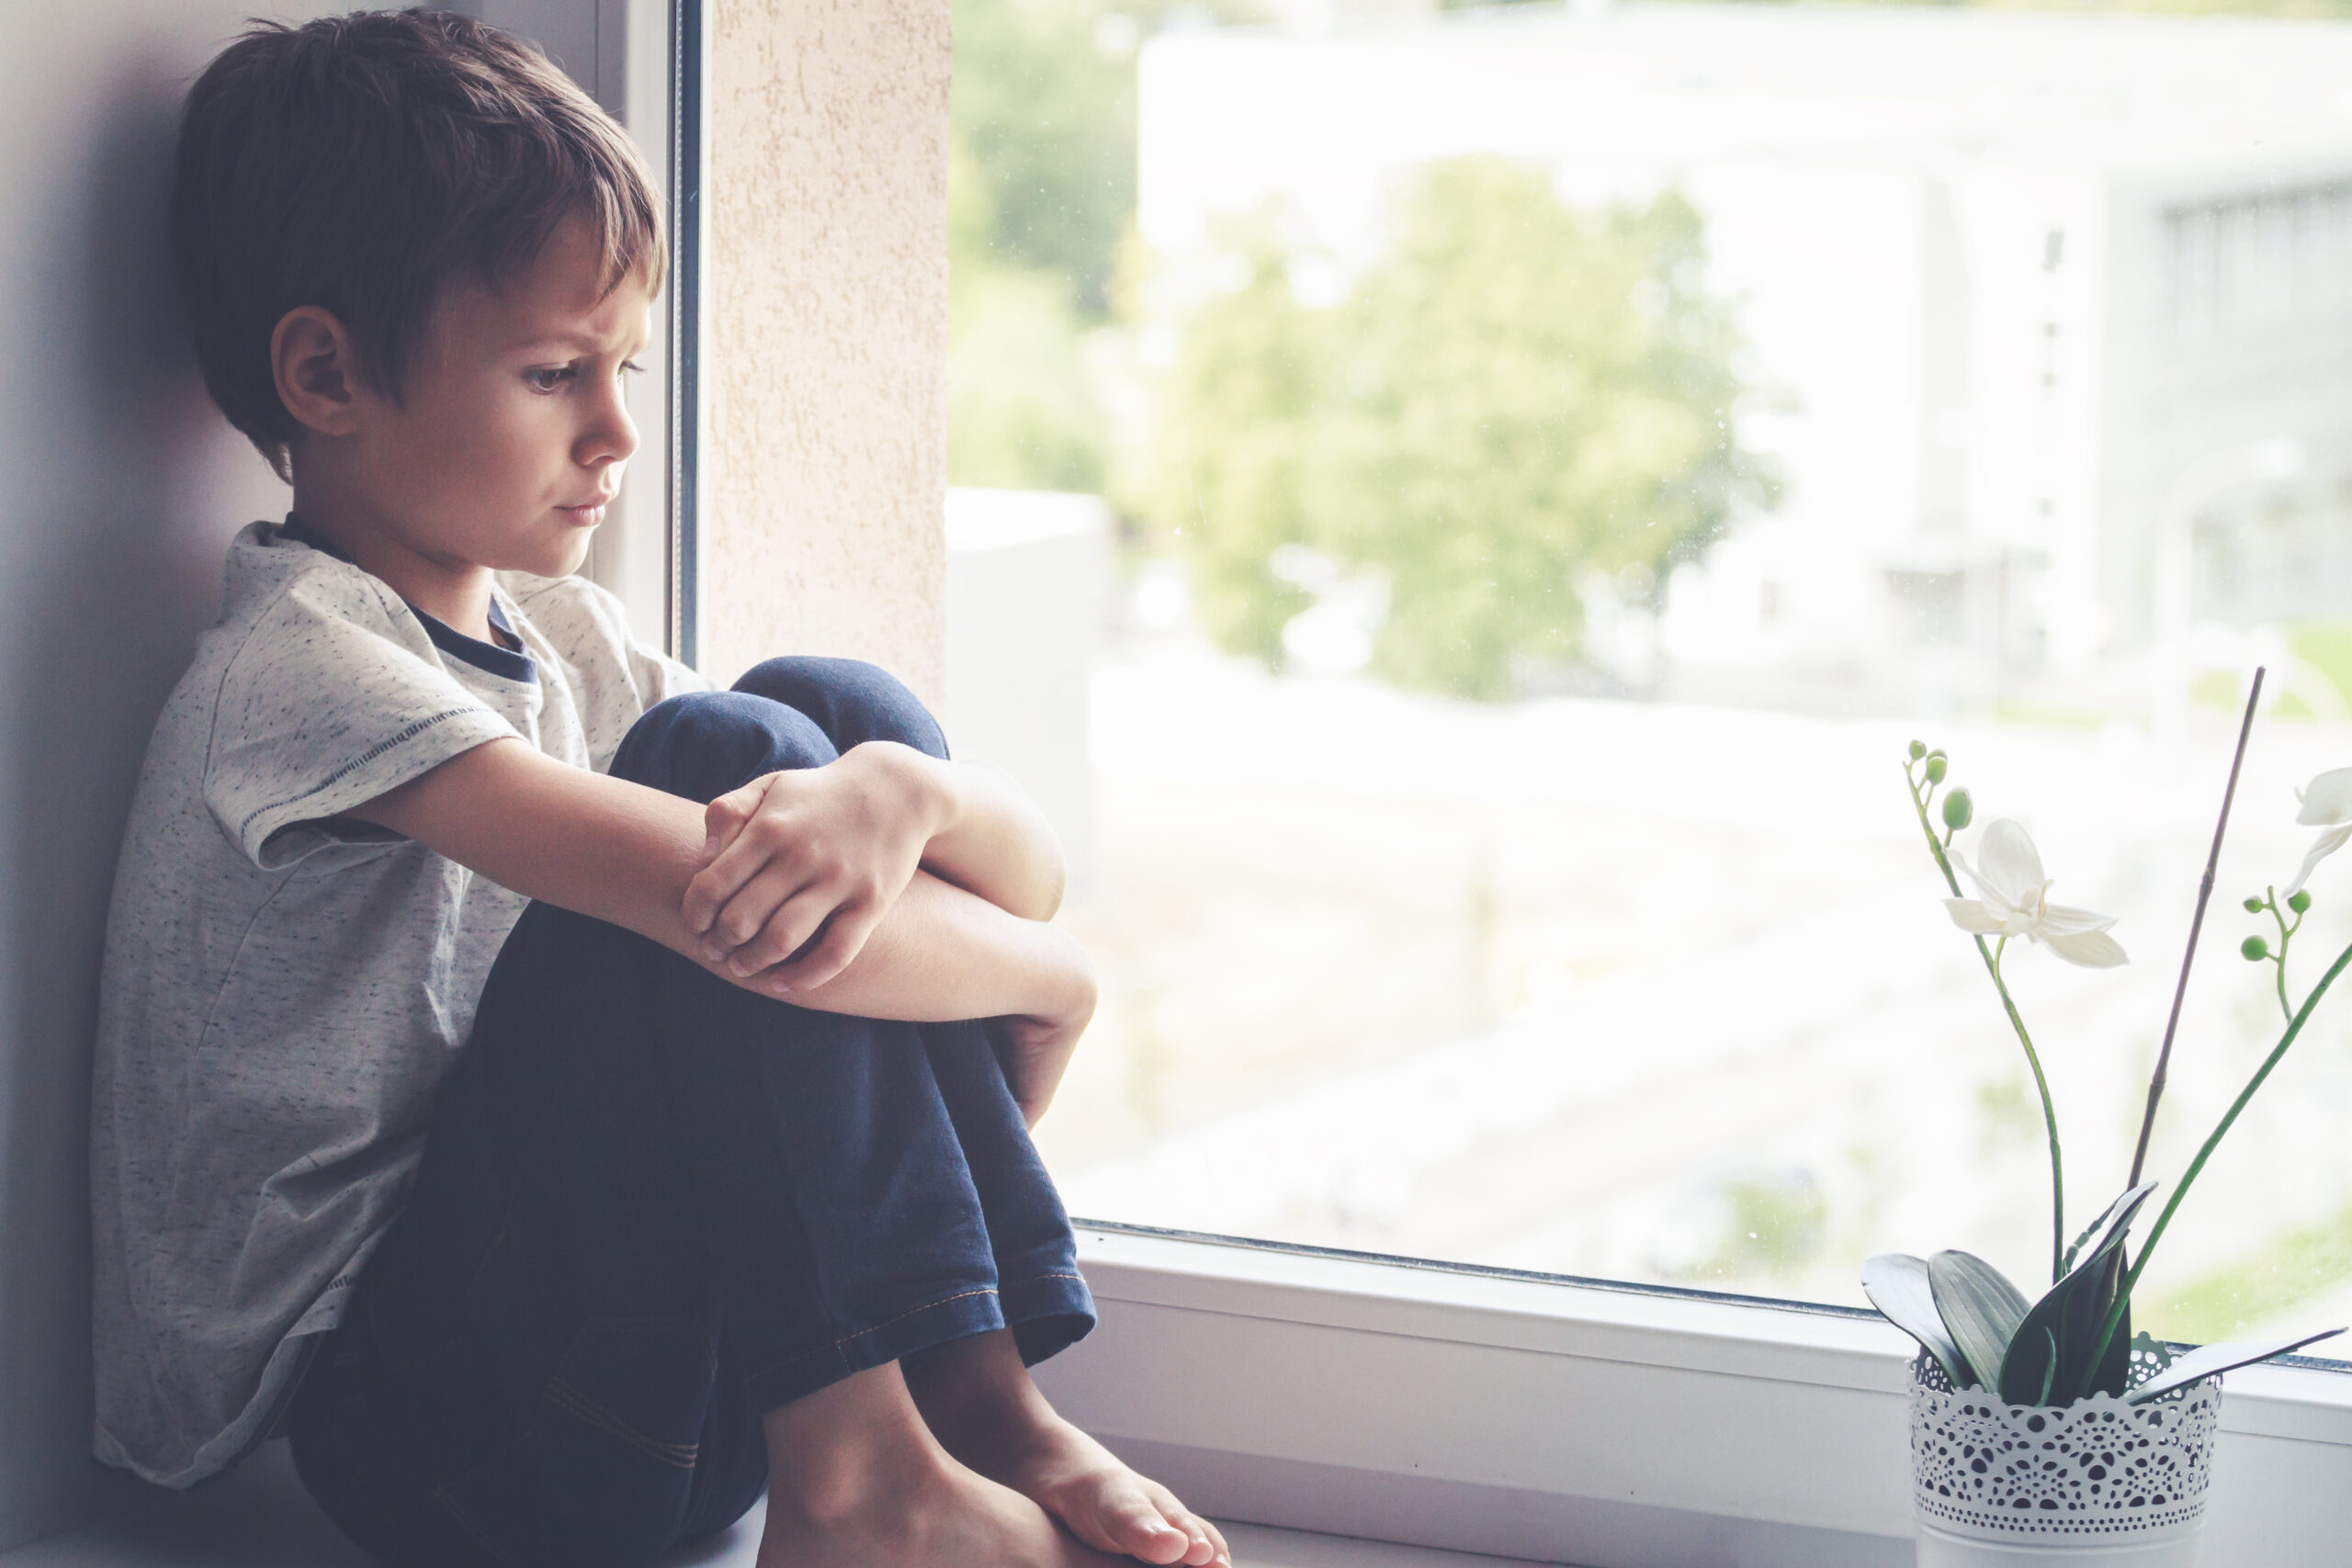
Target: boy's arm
[(797, 835), (626, 853)]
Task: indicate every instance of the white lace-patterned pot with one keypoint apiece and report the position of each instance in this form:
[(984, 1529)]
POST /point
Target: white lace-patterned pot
[(2098, 1484)]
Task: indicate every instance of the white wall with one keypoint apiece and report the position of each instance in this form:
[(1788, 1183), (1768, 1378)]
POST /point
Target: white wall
[(121, 488)]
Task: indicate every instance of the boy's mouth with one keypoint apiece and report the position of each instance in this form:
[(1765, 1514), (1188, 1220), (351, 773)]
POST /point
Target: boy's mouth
[(586, 513)]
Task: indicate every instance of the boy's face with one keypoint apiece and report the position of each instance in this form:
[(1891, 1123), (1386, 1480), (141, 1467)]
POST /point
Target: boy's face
[(511, 432)]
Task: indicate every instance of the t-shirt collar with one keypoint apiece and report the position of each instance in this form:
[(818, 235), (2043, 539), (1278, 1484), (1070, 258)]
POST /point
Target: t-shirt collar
[(507, 663)]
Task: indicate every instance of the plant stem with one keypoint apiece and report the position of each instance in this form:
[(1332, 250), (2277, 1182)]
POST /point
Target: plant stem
[(2196, 924), (2017, 1022), (2188, 1177), (2286, 937)]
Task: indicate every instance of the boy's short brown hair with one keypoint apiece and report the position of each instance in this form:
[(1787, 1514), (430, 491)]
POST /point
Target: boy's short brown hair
[(358, 163)]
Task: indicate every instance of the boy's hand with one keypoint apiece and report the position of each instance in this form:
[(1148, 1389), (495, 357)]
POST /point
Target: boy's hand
[(801, 866), (1034, 1049)]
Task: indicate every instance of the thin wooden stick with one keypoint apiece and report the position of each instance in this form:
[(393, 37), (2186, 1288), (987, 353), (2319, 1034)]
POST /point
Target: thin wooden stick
[(2196, 924)]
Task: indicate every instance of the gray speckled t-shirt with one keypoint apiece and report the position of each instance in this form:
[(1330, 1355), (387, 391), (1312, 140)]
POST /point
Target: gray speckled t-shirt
[(282, 992)]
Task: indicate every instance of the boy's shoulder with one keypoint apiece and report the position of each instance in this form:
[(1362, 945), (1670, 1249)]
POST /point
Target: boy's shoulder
[(316, 691), (277, 593)]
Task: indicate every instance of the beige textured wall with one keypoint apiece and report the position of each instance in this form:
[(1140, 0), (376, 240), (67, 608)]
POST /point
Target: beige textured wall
[(824, 456)]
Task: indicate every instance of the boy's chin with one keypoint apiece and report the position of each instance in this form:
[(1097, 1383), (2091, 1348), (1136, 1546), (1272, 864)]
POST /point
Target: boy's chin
[(560, 558)]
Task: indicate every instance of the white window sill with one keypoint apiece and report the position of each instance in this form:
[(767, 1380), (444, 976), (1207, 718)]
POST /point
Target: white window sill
[(1338, 1403), (260, 1518), (1530, 1419)]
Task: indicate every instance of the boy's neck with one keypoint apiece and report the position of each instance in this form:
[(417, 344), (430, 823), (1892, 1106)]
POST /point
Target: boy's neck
[(452, 592)]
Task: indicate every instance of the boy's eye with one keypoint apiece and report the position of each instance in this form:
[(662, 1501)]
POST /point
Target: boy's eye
[(548, 377), (632, 367)]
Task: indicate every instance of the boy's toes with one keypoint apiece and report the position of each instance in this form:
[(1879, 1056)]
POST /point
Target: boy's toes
[(1141, 1530), (1123, 1517), (1207, 1548)]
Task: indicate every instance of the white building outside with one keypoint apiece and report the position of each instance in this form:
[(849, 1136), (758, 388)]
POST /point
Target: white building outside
[(2055, 313), (2008, 278)]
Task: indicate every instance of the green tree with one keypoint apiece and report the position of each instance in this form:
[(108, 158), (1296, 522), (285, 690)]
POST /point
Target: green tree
[(1022, 410), (1513, 395), (1043, 105), (1226, 464), (1041, 198), (1041, 187)]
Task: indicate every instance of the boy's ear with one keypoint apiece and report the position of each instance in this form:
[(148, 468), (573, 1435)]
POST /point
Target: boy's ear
[(317, 370)]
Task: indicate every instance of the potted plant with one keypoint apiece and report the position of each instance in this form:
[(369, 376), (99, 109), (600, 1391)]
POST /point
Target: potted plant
[(2045, 1430)]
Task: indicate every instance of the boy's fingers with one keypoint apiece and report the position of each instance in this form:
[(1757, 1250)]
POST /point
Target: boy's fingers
[(748, 912), (843, 939), (795, 924), (724, 818), (710, 889), (710, 901)]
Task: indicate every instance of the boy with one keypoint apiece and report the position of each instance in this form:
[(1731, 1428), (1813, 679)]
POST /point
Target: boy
[(552, 1233)]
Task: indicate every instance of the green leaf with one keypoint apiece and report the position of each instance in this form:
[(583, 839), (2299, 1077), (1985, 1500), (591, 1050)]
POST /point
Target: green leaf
[(2114, 1373), (1897, 1285), (2203, 1363), (2051, 1349), (2077, 1250), (1978, 1305)]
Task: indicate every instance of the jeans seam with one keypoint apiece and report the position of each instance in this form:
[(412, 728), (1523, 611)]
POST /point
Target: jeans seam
[(863, 1333), (473, 1281), (473, 1530), (569, 1399)]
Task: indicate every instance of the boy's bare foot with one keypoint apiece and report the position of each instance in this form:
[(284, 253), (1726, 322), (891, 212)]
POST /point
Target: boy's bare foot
[(855, 1479), (979, 1399)]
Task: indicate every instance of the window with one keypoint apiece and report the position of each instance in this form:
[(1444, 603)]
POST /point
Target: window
[(1548, 461), (641, 61)]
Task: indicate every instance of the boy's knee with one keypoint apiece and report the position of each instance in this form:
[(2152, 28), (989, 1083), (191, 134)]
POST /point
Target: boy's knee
[(853, 700), (701, 744)]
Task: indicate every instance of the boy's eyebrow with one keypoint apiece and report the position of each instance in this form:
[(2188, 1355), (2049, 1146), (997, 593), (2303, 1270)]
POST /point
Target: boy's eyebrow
[(589, 341)]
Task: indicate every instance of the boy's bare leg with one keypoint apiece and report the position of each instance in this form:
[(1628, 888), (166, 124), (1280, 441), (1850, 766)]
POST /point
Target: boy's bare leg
[(857, 1480), (979, 1399)]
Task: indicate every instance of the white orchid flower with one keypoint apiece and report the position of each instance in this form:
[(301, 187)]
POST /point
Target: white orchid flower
[(2014, 900), (2328, 803)]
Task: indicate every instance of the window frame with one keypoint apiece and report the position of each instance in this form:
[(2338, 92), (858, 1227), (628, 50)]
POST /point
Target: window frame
[(1466, 1409), (687, 138), (1557, 1420), (643, 61)]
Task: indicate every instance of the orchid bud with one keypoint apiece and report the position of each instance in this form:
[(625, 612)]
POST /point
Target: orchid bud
[(2255, 949), (2254, 906), (2299, 900), (1918, 750), (1958, 809), (1935, 767)]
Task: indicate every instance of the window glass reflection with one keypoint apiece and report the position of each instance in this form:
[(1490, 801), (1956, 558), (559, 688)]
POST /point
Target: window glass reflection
[(1459, 512)]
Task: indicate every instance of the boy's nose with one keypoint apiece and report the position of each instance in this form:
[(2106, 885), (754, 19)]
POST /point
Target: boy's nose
[(611, 433)]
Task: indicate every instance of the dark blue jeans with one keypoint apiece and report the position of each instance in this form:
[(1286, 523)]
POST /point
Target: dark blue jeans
[(653, 1205)]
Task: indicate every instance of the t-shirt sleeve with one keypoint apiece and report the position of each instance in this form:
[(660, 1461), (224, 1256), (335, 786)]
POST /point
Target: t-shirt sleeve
[(325, 708)]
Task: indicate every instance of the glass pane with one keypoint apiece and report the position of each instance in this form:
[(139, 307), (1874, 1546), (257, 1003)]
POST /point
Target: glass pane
[(1500, 490)]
